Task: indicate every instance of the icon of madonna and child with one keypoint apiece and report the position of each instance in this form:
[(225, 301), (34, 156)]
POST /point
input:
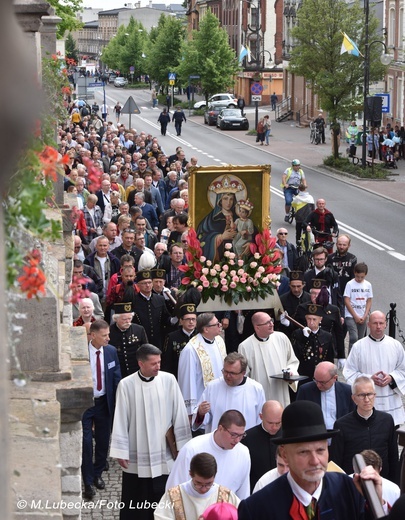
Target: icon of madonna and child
[(229, 221)]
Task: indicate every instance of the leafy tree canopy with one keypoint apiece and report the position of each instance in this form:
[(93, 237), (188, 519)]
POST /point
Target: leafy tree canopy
[(336, 78), (67, 10), (71, 50), (209, 55)]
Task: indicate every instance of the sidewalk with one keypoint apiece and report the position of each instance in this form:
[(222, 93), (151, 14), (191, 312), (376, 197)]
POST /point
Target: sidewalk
[(289, 142)]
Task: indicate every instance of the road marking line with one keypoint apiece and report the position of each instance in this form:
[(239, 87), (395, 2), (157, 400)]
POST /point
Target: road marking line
[(399, 256)]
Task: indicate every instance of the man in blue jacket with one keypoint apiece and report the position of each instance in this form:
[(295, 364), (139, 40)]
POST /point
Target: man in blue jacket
[(106, 374)]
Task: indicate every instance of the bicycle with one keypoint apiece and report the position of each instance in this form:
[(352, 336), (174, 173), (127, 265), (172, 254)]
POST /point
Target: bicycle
[(315, 135), (291, 213)]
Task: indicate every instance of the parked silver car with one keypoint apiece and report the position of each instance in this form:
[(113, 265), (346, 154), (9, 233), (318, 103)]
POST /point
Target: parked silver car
[(120, 82)]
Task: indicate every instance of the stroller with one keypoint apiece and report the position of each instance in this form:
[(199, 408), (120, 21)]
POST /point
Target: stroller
[(388, 154)]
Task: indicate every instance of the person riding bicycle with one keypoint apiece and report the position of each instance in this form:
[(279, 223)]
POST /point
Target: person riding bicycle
[(303, 205), (323, 225), (291, 179)]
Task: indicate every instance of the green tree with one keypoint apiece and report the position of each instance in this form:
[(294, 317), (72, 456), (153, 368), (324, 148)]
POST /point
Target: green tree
[(209, 55), (67, 10), (71, 50), (164, 54), (126, 49), (336, 78)]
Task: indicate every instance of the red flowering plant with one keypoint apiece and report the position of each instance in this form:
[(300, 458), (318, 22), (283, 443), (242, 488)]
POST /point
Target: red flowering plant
[(233, 279), (30, 192)]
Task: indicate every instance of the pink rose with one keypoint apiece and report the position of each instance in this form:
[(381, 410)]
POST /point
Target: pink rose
[(214, 284), (256, 256), (242, 279), (227, 254), (205, 270), (235, 279), (203, 278), (206, 283), (232, 285), (255, 283), (225, 268), (253, 265), (202, 259), (260, 269), (224, 288), (232, 273), (222, 275), (232, 256), (258, 275), (223, 281), (248, 288), (241, 272), (228, 246), (200, 288), (265, 280), (217, 267), (213, 272), (208, 263), (240, 262), (231, 262)]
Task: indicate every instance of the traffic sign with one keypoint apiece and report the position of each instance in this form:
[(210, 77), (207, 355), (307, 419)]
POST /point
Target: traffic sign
[(172, 76), (131, 69), (194, 76), (130, 107), (256, 97), (95, 84), (256, 88), (171, 82)]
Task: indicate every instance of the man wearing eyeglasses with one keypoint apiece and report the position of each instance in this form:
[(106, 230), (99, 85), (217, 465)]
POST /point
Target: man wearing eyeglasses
[(232, 391), (290, 252), (334, 397), (383, 358), (366, 429), (268, 353), (201, 360), (232, 457), (190, 499)]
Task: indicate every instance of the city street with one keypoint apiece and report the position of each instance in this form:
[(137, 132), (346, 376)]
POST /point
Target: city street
[(374, 222)]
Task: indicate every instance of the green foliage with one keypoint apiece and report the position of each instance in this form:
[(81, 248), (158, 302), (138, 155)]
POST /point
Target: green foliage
[(345, 165), (67, 10), (210, 56), (126, 49), (71, 51), (165, 53), (30, 192), (336, 78)]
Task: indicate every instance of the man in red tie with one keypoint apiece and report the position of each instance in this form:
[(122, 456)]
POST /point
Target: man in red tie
[(106, 374)]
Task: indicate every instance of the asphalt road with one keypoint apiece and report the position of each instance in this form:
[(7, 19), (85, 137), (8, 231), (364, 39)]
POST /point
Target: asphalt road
[(375, 224)]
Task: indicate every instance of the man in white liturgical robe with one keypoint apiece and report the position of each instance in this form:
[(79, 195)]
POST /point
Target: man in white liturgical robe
[(201, 360), (268, 353), (381, 358), (148, 404), (232, 391), (189, 500), (232, 458)]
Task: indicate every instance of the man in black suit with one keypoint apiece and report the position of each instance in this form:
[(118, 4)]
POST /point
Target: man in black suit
[(103, 195), (106, 375), (333, 397), (259, 441)]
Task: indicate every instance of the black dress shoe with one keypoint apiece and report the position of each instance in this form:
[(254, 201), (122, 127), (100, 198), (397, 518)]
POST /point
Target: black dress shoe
[(89, 492), (107, 466), (99, 483)]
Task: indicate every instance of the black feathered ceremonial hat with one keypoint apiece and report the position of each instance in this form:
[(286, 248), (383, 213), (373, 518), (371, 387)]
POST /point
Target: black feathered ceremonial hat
[(158, 274), (302, 421), (187, 308), (296, 275), (143, 275)]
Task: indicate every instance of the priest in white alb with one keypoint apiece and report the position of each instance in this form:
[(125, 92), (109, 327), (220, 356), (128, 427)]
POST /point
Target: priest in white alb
[(150, 424), (381, 358), (201, 360), (232, 457), (268, 353), (189, 500), (233, 391)]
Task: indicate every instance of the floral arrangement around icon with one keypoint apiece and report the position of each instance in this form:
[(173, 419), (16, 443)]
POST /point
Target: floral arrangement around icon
[(251, 277)]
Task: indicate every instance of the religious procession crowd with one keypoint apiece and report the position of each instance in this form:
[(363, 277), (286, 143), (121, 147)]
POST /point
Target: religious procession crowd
[(207, 412)]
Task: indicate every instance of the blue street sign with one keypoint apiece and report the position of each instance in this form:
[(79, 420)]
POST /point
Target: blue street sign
[(386, 99), (256, 88), (172, 76), (95, 84)]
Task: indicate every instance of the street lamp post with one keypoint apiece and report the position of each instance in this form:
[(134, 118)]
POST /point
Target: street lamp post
[(385, 60)]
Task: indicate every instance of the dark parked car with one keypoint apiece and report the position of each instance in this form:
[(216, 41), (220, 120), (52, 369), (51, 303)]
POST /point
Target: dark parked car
[(230, 118), (111, 78), (211, 114)]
